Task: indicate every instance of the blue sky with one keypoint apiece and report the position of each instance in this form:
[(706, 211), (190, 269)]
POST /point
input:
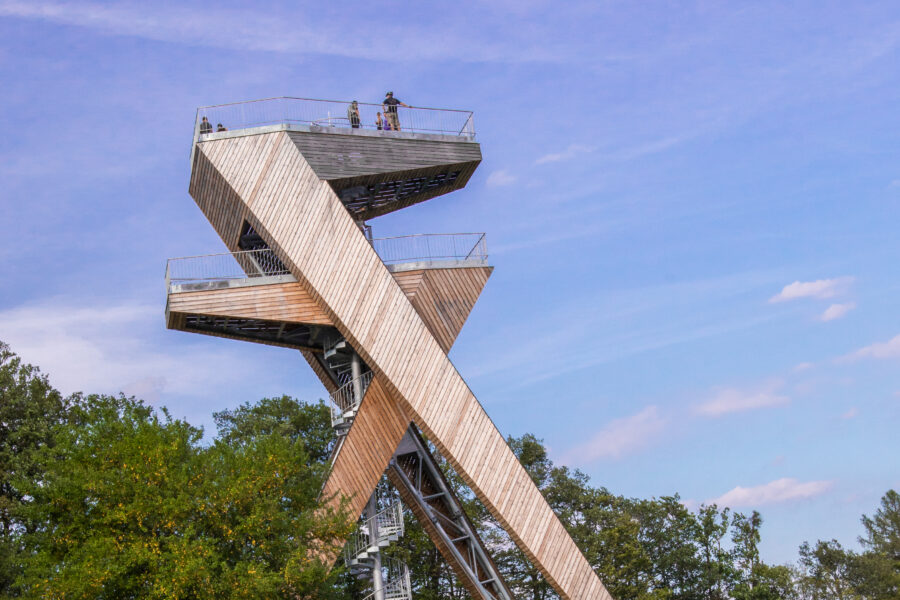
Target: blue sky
[(691, 209)]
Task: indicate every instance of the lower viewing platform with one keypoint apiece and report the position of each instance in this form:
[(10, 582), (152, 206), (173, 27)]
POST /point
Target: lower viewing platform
[(252, 295), (262, 267)]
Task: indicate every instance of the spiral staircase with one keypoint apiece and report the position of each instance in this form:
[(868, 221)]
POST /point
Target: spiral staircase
[(382, 522)]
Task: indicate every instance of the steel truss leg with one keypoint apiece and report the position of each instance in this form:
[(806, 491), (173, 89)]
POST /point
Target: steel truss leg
[(415, 473)]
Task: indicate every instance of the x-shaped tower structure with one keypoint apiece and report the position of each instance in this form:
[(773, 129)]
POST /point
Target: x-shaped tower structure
[(289, 188)]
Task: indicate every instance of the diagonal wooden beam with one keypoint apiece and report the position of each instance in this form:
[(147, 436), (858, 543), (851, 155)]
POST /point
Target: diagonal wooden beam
[(269, 183)]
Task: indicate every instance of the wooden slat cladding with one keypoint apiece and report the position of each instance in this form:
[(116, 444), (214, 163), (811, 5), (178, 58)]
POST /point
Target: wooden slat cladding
[(343, 156), (287, 302), (445, 297), (442, 297), (222, 195), (351, 161), (304, 222), (377, 430)]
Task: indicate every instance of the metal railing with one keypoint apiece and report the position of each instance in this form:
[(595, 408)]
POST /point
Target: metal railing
[(470, 248), (348, 397), (395, 575), (388, 524), (227, 266), (330, 113), (425, 249)]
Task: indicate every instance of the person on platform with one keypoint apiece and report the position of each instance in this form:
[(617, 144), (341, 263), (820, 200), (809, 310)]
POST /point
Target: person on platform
[(379, 123), (390, 105), (353, 114), (221, 127), (205, 126)]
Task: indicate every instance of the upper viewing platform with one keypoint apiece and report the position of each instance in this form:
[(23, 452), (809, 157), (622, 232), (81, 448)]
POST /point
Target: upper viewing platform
[(332, 116), (377, 158)]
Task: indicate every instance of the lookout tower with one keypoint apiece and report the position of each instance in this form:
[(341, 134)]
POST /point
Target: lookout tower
[(289, 185)]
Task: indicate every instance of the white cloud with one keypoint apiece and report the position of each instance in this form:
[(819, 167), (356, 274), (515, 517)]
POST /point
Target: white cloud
[(821, 288), (731, 400), (102, 349), (647, 148), (569, 153), (125, 348), (774, 492), (888, 349), (620, 437), (850, 413), (836, 311), (804, 366), (500, 178), (294, 31)]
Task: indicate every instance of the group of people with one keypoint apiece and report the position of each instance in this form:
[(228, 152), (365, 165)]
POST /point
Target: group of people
[(206, 126), (389, 122)]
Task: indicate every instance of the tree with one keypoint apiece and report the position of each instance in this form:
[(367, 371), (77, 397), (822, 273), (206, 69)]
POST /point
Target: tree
[(875, 573), (29, 409), (716, 564), (824, 571), (883, 529), (130, 504), (309, 424)]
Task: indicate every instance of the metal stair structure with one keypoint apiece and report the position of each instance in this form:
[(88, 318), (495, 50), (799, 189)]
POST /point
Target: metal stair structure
[(382, 522)]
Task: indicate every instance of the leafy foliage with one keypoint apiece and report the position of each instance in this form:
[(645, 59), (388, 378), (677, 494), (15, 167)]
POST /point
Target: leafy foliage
[(29, 410), (105, 497), (113, 499)]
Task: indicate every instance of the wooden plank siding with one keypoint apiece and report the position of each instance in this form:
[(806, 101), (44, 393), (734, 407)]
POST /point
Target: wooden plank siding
[(443, 298), (337, 157), (302, 219), (377, 430), (286, 302), (349, 161)]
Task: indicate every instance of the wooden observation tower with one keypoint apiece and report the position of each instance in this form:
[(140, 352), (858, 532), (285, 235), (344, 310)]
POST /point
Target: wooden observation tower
[(289, 187)]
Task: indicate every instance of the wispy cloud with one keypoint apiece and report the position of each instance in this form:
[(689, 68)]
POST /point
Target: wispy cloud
[(616, 324), (853, 412), (573, 151), (500, 178), (121, 347), (620, 437), (836, 311), (774, 492), (648, 148), (888, 349), (297, 30), (821, 288), (731, 400)]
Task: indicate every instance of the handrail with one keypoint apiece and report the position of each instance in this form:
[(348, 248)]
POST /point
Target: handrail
[(348, 397), (387, 522), (425, 249), (226, 266), (292, 111), (460, 248), (326, 100), (396, 583)]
